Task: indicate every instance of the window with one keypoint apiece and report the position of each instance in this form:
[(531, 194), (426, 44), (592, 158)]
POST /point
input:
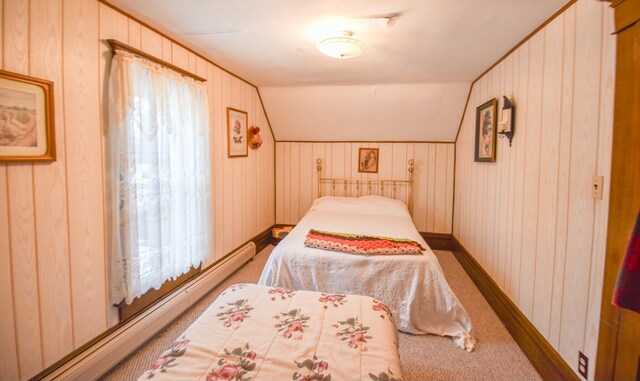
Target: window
[(160, 175)]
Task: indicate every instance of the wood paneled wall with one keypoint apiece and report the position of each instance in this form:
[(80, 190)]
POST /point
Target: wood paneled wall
[(54, 217), (618, 352), (297, 185), (529, 218)]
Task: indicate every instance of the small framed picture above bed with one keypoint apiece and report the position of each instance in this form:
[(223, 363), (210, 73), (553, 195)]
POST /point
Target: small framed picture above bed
[(236, 133), (368, 160), (486, 132)]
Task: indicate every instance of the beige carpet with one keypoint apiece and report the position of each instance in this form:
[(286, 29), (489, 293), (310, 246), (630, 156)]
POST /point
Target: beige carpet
[(497, 356)]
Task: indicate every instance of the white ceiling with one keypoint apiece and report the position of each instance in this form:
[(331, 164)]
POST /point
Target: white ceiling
[(272, 42), (385, 112)]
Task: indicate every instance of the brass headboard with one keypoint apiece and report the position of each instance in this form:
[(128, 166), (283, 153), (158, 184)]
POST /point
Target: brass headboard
[(372, 186)]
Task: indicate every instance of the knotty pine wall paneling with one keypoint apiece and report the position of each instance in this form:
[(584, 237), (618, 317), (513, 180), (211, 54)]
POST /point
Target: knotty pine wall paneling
[(561, 226), (20, 200), (55, 217), (85, 160), (529, 218), (297, 187), (50, 193), (548, 176), (8, 352)]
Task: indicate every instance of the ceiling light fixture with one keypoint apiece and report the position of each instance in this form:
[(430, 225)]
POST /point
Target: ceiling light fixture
[(343, 46)]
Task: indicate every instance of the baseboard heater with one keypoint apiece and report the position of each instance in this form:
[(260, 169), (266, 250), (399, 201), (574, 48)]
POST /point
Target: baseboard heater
[(106, 353)]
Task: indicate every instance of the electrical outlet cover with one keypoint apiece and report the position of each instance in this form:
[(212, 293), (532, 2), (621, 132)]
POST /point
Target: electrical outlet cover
[(583, 365)]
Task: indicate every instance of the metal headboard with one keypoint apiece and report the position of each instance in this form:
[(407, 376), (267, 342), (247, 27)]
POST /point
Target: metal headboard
[(370, 184)]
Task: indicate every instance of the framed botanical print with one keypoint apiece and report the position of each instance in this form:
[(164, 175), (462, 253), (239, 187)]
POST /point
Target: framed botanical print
[(368, 160), (236, 133), (26, 118), (486, 132)]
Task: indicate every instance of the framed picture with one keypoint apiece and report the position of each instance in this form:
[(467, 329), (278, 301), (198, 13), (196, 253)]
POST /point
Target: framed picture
[(368, 160), (486, 132), (26, 118), (236, 133)]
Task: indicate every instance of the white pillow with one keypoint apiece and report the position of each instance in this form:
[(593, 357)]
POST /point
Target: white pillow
[(368, 205)]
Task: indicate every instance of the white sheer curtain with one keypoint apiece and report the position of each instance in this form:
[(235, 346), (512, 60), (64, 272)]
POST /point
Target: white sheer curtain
[(160, 175)]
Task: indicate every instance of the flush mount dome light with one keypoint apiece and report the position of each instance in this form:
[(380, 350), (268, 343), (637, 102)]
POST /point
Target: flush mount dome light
[(343, 46)]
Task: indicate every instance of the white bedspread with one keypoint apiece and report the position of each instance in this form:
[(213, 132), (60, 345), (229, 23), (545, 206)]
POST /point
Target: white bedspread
[(258, 333), (413, 286)]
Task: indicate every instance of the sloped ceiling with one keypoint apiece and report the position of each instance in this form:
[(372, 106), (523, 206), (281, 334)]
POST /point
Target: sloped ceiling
[(430, 44), (387, 112)]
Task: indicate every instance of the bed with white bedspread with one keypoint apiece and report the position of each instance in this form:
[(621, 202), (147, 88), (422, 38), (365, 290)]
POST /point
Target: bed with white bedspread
[(413, 286), (253, 332)]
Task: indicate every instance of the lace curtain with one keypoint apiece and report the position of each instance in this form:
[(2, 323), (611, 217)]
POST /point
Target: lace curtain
[(160, 175)]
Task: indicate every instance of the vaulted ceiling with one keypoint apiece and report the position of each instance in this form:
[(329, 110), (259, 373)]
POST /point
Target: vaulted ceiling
[(272, 43)]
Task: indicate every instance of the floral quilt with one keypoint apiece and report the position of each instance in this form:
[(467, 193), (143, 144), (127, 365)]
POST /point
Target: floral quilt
[(253, 332)]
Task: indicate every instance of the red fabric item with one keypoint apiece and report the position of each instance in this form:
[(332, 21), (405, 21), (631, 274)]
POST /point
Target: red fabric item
[(361, 244), (627, 293)]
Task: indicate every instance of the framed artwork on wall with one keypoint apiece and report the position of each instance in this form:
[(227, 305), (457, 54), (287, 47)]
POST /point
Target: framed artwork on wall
[(485, 132), (368, 160), (26, 118), (236, 133)]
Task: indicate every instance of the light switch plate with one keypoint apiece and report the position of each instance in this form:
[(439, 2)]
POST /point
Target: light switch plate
[(596, 187)]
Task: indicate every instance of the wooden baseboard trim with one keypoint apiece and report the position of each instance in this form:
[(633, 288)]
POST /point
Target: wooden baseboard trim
[(438, 241), (262, 240), (542, 355)]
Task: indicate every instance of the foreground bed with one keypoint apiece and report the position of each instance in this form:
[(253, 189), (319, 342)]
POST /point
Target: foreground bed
[(252, 332), (413, 286)]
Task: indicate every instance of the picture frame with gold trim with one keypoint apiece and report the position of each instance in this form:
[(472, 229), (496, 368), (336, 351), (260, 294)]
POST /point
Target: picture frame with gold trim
[(26, 119)]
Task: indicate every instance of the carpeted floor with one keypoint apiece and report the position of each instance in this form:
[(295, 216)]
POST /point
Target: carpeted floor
[(429, 357)]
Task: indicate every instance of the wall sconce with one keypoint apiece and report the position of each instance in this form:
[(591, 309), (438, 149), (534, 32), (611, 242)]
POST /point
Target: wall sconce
[(506, 128)]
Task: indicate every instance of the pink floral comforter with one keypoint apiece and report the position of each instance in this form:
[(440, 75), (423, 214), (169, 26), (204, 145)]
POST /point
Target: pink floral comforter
[(253, 332)]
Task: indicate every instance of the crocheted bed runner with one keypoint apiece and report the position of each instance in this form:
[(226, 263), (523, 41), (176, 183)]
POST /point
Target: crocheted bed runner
[(361, 244)]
